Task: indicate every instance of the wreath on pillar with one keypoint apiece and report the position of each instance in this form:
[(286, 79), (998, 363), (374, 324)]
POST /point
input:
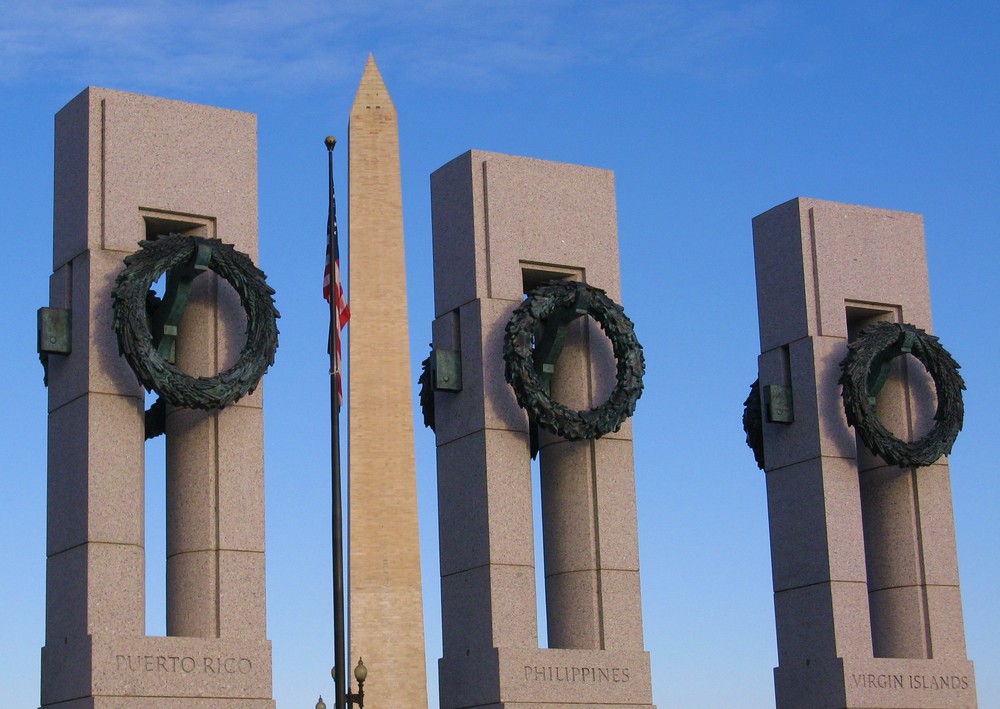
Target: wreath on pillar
[(864, 372), (426, 382), (131, 296), (525, 328), (753, 423)]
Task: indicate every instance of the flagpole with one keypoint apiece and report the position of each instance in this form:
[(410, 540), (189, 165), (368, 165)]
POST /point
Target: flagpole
[(339, 662)]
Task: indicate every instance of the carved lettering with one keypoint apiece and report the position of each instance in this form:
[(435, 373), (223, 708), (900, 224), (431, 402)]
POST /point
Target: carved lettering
[(878, 681), (939, 682), (872, 680), (174, 664), (576, 675)]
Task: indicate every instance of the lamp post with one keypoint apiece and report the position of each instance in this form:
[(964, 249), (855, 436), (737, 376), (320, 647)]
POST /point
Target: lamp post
[(360, 674)]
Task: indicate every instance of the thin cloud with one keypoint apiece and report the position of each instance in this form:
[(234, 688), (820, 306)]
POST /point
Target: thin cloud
[(168, 44), (683, 38), (278, 47), (486, 45)]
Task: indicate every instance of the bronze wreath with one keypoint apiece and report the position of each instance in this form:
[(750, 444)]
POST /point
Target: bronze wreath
[(528, 321), (864, 372), (753, 423), (135, 341), (426, 381)]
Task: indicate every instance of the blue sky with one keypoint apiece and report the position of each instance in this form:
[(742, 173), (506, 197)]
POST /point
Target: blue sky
[(708, 112)]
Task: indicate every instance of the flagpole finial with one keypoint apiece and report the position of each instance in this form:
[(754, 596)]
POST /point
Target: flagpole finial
[(330, 142)]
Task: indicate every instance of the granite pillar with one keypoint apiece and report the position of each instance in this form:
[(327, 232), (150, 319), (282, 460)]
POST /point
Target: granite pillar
[(503, 224), (128, 167), (865, 571)]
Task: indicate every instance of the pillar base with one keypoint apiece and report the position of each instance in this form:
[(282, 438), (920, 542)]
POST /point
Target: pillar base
[(187, 673), (561, 679), (876, 683), (166, 703)]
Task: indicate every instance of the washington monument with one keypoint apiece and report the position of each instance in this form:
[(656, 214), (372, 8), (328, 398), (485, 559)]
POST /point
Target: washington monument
[(386, 603)]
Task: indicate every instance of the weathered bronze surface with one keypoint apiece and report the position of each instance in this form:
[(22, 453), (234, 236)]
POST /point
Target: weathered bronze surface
[(138, 344), (55, 336), (864, 372), (548, 308), (778, 403), (167, 313), (753, 423), (441, 371), (426, 382)]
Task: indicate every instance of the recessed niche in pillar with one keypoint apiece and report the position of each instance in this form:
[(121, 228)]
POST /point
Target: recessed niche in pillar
[(890, 511)]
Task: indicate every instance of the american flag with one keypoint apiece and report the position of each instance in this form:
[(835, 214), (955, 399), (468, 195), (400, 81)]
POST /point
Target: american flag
[(343, 314)]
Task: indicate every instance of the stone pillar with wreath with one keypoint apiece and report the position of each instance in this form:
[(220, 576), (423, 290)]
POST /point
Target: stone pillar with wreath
[(533, 356), (148, 191), (854, 412)]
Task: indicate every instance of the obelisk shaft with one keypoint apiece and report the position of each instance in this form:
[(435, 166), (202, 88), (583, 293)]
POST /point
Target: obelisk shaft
[(386, 607)]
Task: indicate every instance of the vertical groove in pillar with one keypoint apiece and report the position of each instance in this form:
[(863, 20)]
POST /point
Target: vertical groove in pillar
[(217, 536), (922, 566), (217, 346), (589, 333), (598, 566), (103, 163), (814, 272)]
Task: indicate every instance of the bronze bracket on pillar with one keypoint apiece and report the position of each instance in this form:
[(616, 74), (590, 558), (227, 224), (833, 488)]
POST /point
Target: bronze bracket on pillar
[(549, 345), (167, 314), (553, 337), (55, 336), (441, 371), (778, 400), (446, 369), (879, 371)]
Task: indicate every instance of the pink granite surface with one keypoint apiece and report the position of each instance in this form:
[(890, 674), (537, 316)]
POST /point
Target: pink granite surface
[(127, 165), (502, 223), (865, 571)]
